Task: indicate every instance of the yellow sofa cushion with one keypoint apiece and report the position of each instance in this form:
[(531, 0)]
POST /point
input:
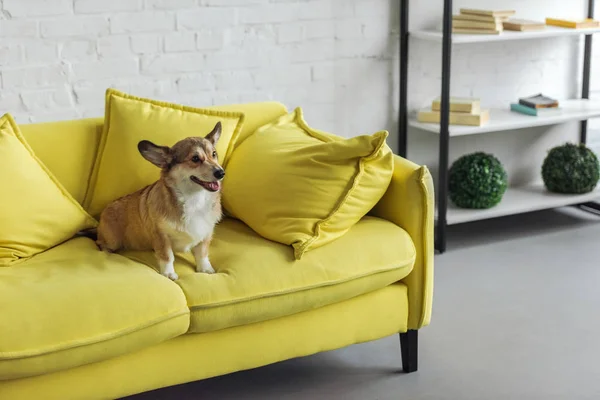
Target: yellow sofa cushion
[(68, 149), (120, 169), (37, 212), (259, 280), (303, 187), (74, 305)]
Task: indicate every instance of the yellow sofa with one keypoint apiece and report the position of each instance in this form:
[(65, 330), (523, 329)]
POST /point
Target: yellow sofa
[(79, 323)]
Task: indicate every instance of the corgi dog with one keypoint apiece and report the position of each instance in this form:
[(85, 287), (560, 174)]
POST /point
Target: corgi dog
[(178, 212)]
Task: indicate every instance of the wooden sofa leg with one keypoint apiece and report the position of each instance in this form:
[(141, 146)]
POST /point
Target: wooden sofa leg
[(409, 345)]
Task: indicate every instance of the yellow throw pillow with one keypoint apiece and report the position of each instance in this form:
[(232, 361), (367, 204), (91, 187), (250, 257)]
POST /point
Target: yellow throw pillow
[(120, 169), (303, 187), (36, 211)]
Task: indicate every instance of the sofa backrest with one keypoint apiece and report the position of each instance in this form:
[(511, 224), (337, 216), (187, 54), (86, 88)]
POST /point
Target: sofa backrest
[(69, 148), (256, 115)]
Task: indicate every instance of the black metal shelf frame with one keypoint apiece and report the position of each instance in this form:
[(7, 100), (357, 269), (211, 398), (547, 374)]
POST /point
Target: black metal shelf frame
[(444, 141)]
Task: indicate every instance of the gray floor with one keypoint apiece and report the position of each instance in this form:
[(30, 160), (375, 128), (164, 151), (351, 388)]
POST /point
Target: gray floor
[(516, 316)]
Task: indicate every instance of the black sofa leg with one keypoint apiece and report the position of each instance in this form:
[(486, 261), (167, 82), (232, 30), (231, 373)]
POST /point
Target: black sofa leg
[(409, 344)]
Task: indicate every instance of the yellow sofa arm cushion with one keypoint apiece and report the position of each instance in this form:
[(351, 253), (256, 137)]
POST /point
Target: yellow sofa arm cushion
[(409, 203)]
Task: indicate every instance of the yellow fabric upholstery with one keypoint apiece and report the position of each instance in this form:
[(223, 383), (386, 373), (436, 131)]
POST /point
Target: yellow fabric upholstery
[(76, 323), (255, 116), (409, 202), (303, 187), (257, 279), (198, 356), (120, 169), (68, 149), (74, 305), (37, 212)]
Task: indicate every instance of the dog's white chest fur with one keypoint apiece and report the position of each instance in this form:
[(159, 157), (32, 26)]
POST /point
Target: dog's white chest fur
[(197, 221)]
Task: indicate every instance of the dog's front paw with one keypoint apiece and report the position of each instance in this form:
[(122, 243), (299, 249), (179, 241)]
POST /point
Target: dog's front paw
[(205, 266), (166, 269), (172, 275)]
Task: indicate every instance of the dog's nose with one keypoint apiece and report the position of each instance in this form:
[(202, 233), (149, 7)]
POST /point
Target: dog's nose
[(219, 174)]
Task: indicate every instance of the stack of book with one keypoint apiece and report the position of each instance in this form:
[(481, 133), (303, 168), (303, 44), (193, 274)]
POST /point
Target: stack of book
[(463, 111), (477, 21), (535, 105)]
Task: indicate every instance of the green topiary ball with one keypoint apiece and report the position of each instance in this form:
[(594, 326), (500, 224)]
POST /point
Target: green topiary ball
[(477, 180), (571, 168)]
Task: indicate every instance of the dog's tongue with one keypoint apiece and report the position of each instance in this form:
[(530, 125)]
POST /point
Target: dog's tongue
[(213, 186)]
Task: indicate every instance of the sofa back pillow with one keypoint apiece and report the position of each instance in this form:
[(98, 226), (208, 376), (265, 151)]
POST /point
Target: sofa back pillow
[(68, 149), (120, 169), (37, 212), (304, 187)]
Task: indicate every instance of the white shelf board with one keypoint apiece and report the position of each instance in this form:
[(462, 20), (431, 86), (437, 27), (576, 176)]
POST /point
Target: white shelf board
[(549, 31), (519, 200), (505, 119)]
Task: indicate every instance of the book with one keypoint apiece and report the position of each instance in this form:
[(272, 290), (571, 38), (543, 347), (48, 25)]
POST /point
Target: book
[(493, 13), (477, 25), (459, 104), (523, 25), (456, 118), (574, 24), (520, 108), (481, 18), (538, 101), (476, 31)]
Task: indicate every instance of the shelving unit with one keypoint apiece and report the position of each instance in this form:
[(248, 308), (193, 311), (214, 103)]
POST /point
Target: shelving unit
[(516, 199)]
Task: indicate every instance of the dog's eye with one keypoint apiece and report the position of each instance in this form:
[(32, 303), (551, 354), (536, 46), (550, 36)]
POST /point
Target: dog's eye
[(214, 154), (196, 159)]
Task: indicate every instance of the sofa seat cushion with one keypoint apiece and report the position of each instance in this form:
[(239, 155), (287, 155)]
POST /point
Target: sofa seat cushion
[(74, 305), (258, 279)]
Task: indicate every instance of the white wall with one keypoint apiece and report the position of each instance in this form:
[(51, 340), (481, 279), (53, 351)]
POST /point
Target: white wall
[(499, 73), (335, 58)]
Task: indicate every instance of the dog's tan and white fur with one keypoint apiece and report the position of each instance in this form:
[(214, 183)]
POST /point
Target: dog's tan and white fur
[(178, 212)]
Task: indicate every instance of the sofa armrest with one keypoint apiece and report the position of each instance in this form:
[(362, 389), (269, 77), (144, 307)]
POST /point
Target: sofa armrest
[(409, 203)]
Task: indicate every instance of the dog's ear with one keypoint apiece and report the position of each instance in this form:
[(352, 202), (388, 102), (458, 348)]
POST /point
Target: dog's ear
[(157, 155), (215, 134)]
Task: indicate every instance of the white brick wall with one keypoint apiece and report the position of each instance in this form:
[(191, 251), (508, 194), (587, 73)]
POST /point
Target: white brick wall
[(335, 58)]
